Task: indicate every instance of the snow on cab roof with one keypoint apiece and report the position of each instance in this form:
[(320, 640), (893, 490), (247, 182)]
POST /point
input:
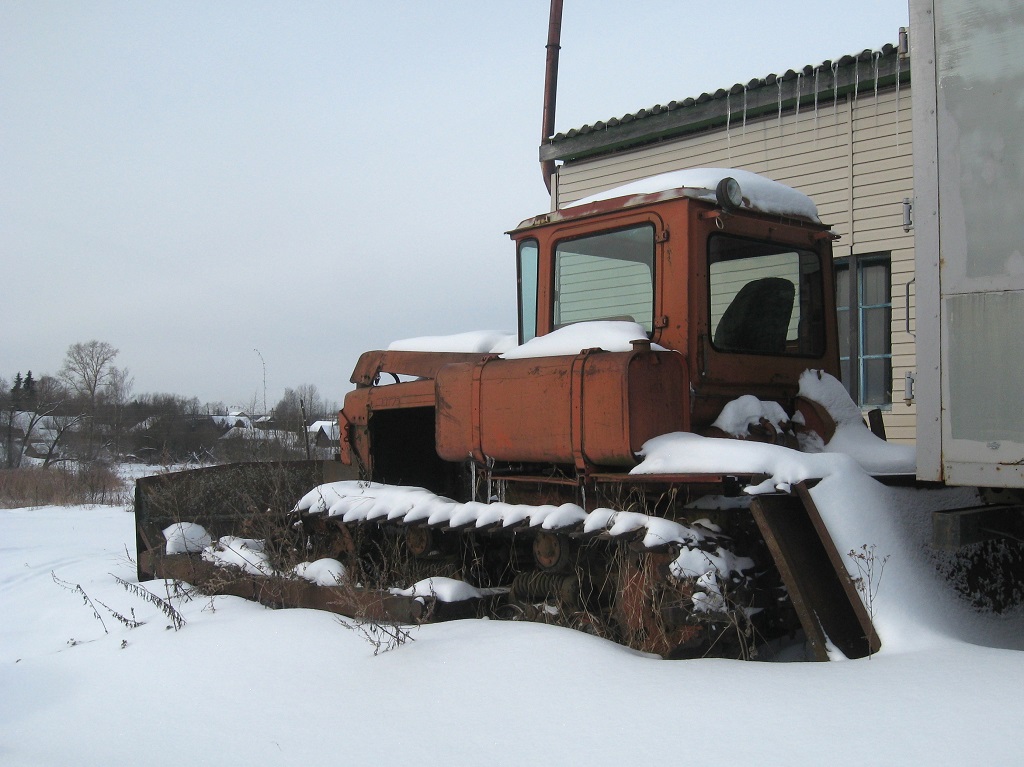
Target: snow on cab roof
[(760, 193)]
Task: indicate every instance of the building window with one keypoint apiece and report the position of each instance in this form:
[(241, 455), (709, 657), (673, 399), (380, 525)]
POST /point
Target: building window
[(864, 307)]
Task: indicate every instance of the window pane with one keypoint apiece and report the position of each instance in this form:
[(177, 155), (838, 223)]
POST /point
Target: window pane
[(985, 380), (869, 321), (764, 298), (874, 334), (844, 332), (874, 284), (842, 287), (875, 382), (844, 373), (527, 290), (609, 276)]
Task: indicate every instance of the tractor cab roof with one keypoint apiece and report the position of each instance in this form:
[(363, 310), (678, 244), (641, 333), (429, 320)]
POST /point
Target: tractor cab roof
[(756, 194)]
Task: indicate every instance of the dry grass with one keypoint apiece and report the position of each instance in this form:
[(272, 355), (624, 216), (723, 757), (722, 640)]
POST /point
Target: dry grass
[(61, 486)]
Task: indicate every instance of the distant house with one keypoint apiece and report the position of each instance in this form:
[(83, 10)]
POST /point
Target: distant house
[(323, 434), (237, 420), (287, 438)]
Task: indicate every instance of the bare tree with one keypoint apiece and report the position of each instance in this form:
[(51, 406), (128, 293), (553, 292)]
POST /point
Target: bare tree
[(89, 372), (118, 394), (88, 369), (298, 407)]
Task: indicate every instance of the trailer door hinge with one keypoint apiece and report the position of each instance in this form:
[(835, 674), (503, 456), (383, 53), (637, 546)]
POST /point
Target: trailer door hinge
[(661, 236), (661, 322)]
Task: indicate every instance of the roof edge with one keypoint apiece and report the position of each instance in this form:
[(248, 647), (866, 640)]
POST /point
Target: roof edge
[(860, 73)]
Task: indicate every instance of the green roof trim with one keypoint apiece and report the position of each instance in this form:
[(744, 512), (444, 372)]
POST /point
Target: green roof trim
[(826, 82)]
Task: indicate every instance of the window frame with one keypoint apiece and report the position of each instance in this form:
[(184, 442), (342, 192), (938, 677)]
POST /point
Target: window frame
[(854, 265), (525, 303), (560, 242), (816, 338)]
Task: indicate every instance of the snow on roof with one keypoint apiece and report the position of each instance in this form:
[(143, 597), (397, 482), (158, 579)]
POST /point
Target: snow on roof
[(232, 421), (760, 193), (330, 428)]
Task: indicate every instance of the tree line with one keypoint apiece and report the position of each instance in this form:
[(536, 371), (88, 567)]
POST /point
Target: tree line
[(88, 411)]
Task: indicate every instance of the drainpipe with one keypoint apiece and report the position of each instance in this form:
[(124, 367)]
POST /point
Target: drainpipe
[(551, 85)]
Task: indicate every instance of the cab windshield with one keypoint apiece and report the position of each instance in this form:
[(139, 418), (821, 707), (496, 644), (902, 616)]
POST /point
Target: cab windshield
[(606, 276)]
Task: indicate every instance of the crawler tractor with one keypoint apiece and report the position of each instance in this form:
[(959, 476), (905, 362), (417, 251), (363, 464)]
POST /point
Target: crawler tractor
[(523, 462)]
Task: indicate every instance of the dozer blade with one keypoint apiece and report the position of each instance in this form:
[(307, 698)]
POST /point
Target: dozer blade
[(252, 500), (822, 592), (272, 591), (230, 499)]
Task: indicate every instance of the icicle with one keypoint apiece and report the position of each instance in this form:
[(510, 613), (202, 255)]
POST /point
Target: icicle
[(744, 111), (856, 80), (816, 106), (728, 123), (778, 82), (835, 97), (799, 75), (876, 56)]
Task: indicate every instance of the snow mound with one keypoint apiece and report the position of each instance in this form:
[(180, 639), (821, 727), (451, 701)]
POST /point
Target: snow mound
[(322, 572), (852, 437), (612, 336), (186, 538), (829, 392), (442, 589), (245, 553), (852, 448), (472, 342), (747, 411)]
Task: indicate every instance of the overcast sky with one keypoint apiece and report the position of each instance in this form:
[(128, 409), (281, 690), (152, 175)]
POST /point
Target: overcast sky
[(194, 181)]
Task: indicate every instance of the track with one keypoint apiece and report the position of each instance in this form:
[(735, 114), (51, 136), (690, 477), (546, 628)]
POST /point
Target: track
[(652, 583)]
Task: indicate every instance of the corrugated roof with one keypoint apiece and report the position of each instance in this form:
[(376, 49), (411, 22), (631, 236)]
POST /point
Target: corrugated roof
[(857, 72)]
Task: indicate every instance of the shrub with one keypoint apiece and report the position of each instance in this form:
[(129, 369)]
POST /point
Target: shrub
[(84, 483)]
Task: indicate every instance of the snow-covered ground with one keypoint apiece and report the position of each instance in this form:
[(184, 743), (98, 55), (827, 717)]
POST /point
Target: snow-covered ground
[(242, 684), (239, 684)]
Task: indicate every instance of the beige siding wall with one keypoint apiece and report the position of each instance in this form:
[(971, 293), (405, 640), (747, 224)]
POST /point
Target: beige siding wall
[(851, 156)]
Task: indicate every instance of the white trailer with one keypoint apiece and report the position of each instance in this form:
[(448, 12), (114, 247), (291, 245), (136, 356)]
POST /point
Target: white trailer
[(967, 67)]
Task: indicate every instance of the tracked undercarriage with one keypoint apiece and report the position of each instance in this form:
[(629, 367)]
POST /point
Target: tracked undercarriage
[(704, 572), (674, 588)]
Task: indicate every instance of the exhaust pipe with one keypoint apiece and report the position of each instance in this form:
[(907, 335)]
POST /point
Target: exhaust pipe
[(547, 167)]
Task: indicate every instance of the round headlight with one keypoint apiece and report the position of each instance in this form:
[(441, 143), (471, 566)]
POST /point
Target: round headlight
[(729, 194)]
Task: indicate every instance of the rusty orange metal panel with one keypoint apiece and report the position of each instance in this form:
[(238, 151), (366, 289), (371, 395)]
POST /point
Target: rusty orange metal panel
[(592, 409), (420, 364), (360, 404)]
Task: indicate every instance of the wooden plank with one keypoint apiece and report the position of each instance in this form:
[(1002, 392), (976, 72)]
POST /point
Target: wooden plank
[(769, 512), (956, 528), (823, 595)]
